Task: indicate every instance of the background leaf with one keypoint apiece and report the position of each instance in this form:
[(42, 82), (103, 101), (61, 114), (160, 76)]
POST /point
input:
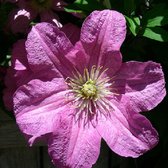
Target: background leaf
[(133, 24), (129, 6), (156, 33), (157, 16)]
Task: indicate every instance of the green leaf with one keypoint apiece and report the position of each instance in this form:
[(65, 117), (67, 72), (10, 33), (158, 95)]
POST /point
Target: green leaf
[(80, 6), (157, 21), (157, 16), (156, 33), (68, 9), (133, 24)]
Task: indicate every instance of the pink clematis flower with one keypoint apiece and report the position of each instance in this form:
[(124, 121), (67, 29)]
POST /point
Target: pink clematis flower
[(2, 72), (81, 93), (19, 19), (20, 66), (15, 73)]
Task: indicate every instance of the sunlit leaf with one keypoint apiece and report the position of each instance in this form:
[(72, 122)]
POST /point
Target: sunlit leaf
[(68, 9), (133, 24), (157, 16), (156, 33)]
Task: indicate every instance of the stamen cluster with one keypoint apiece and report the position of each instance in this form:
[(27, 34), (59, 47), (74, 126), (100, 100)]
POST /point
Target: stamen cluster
[(91, 91)]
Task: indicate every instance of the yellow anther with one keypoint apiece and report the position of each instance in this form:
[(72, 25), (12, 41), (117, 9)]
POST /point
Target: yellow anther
[(89, 89)]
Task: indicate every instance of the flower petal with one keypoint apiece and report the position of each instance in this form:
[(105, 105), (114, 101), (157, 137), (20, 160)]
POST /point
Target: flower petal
[(127, 133), (50, 17), (2, 72), (72, 32), (46, 47), (78, 57), (103, 32), (143, 82), (19, 73), (37, 105), (9, 90), (19, 20), (19, 60), (58, 5), (73, 144)]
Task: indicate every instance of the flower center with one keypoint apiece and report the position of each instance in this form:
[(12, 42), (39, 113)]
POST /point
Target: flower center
[(91, 92), (89, 89)]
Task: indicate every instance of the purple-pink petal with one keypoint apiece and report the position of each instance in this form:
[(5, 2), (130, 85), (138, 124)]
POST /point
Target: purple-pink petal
[(72, 32), (142, 82), (58, 5), (2, 72), (73, 144), (106, 28), (127, 133), (9, 90), (78, 57), (19, 73), (102, 34), (47, 46), (19, 20), (38, 104), (19, 60), (50, 17)]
